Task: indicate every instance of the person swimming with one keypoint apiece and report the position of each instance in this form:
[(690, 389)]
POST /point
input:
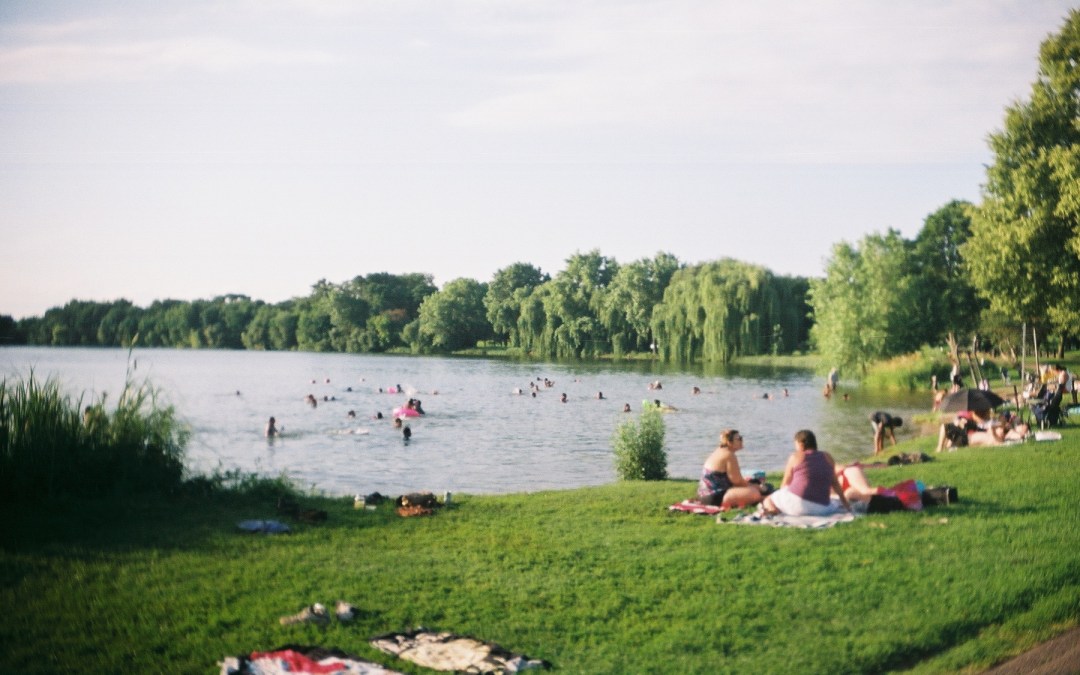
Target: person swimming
[(271, 428)]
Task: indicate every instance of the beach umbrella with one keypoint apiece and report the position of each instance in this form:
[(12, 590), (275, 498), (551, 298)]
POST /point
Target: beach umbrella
[(970, 399)]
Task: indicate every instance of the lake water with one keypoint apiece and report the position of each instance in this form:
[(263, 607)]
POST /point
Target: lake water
[(478, 436)]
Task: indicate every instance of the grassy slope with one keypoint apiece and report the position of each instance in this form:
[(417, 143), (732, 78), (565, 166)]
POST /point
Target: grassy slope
[(594, 580)]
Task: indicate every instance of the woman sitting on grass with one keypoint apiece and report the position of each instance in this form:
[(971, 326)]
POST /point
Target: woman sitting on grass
[(809, 477), (722, 483)]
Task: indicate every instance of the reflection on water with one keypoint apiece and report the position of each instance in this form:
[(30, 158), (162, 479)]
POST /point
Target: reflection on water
[(478, 436)]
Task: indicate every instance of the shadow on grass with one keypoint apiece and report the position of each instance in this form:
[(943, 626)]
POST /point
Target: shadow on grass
[(189, 522)]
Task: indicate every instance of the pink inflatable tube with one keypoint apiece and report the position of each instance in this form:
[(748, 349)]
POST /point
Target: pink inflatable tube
[(402, 411)]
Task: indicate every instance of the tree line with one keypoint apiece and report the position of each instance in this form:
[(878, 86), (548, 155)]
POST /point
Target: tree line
[(975, 272), (593, 307)]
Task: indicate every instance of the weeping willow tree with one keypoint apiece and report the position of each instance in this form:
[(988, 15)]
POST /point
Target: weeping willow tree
[(719, 310)]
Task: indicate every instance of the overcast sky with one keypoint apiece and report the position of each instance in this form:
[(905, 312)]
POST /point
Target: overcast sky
[(185, 150)]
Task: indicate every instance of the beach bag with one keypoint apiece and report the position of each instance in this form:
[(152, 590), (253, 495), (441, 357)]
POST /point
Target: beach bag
[(940, 496), (908, 492)]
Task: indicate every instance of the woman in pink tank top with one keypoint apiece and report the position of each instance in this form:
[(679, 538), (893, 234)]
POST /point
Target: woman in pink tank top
[(809, 476)]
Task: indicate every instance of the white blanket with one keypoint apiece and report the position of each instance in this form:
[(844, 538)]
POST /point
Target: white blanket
[(804, 522)]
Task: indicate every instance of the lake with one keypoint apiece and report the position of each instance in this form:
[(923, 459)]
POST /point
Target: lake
[(478, 435)]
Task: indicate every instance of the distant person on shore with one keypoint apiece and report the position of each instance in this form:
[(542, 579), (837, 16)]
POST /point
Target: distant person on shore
[(884, 423), (722, 483), (809, 476), (271, 428)]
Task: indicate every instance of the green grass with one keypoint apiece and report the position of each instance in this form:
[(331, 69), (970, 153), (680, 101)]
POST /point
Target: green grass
[(597, 580)]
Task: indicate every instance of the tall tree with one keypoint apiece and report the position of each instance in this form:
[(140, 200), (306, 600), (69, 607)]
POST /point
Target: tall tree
[(453, 318), (717, 311), (952, 305), (627, 307), (503, 299), (1024, 250), (866, 308)]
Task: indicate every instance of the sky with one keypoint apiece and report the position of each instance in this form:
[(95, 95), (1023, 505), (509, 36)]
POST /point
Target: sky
[(188, 150)]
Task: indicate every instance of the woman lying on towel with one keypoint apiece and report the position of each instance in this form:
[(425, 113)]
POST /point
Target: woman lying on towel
[(809, 476), (722, 484), (980, 428)]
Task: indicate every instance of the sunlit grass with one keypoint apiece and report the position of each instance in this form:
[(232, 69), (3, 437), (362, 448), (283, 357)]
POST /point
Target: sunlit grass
[(595, 580)]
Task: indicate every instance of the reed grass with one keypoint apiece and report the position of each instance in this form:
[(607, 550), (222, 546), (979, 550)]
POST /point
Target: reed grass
[(51, 444)]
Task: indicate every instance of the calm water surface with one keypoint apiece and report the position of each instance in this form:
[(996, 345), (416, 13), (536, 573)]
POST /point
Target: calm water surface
[(478, 436)]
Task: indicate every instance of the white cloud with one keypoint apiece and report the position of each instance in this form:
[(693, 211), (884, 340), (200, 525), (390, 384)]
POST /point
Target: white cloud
[(849, 81), (76, 62)]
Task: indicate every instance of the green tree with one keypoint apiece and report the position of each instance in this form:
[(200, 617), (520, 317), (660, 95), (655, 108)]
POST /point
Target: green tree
[(952, 305), (866, 308), (504, 295), (119, 325), (571, 302), (627, 307), (453, 318), (1024, 250), (718, 310)]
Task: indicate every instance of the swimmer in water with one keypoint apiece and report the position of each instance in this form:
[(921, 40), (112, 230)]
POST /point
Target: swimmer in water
[(271, 428)]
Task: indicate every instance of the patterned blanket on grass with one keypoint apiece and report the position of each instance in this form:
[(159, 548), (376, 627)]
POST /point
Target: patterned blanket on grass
[(457, 653), (305, 660), (803, 522), (691, 506)]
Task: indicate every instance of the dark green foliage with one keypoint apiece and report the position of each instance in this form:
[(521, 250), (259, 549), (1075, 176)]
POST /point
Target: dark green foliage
[(722, 310), (594, 307), (50, 445), (1024, 252)]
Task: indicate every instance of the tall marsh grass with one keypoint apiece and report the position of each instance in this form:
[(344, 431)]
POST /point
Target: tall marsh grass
[(51, 445), (909, 372)]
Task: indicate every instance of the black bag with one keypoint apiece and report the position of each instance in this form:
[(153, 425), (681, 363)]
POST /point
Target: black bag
[(940, 496)]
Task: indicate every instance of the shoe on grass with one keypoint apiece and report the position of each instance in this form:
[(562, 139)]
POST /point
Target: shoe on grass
[(344, 611), (311, 614)]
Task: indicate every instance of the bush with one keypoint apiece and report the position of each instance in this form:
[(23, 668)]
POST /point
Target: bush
[(639, 447)]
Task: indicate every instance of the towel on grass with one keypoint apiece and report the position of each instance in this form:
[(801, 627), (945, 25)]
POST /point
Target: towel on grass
[(690, 506), (1047, 436), (446, 651), (304, 660), (263, 526), (804, 522)]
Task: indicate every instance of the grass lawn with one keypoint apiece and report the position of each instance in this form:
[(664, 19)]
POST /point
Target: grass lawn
[(597, 580)]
